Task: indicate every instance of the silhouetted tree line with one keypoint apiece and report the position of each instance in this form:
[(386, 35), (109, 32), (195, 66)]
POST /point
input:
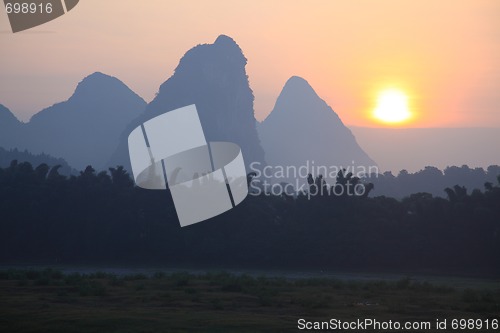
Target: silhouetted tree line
[(7, 156), (101, 217), (432, 180)]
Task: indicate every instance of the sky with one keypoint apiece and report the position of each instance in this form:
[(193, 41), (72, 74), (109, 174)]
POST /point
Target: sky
[(444, 56)]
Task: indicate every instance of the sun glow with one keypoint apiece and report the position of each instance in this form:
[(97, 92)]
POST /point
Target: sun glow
[(392, 107)]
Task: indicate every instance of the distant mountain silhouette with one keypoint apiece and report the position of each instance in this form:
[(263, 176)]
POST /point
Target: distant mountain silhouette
[(84, 129), (302, 127), (415, 148), (213, 77), (10, 128)]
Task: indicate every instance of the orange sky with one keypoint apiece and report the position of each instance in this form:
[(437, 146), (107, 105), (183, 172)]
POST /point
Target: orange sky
[(444, 54)]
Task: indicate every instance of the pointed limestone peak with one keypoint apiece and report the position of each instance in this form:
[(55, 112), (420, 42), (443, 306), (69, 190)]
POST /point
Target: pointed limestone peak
[(299, 101), (213, 77), (96, 82), (303, 127), (98, 86), (227, 45), (297, 81), (225, 40), (298, 87)]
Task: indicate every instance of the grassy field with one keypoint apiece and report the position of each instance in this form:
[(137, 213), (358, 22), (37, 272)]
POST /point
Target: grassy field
[(50, 301)]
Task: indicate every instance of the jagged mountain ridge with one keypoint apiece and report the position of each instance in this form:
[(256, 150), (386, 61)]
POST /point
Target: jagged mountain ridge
[(213, 77), (97, 118)]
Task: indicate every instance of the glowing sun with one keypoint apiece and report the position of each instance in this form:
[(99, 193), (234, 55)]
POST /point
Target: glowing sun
[(392, 107)]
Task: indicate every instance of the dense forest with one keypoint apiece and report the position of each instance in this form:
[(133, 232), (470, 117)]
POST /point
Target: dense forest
[(103, 218)]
